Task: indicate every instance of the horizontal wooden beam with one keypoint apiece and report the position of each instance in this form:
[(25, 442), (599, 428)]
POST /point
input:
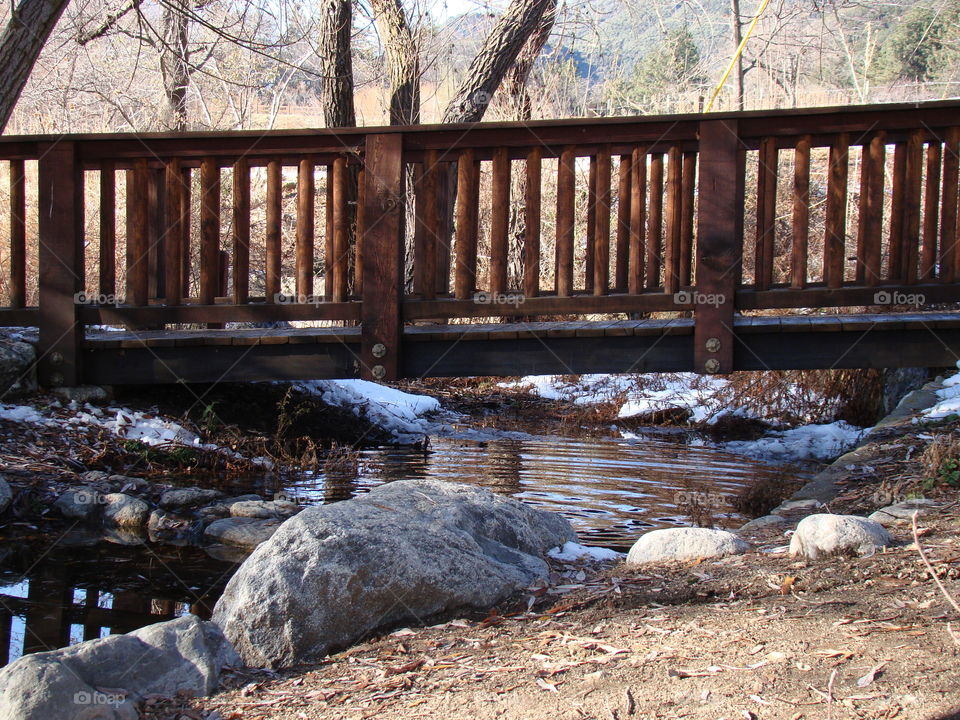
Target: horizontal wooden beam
[(160, 314)]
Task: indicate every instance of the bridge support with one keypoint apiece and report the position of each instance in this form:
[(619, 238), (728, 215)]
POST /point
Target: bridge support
[(719, 255), (383, 207), (61, 265)]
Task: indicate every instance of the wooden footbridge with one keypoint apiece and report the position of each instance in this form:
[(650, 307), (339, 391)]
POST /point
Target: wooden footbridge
[(762, 240)]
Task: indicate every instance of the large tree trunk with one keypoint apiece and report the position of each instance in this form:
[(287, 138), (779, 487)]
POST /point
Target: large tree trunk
[(499, 52), (20, 45), (175, 66), (336, 66), (521, 108), (403, 61), (737, 39)]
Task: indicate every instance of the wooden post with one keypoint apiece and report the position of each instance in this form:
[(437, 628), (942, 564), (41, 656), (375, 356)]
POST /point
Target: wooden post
[(719, 245), (61, 265), (382, 324)]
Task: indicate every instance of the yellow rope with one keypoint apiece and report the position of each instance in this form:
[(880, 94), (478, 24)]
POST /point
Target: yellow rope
[(739, 52)]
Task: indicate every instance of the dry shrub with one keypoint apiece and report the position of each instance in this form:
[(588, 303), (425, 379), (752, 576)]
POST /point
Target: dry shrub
[(803, 396), (342, 460)]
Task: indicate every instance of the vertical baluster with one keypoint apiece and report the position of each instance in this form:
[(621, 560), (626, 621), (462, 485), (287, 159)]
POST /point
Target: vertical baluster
[(209, 230), (913, 190), (468, 191), (801, 213), (305, 227), (601, 235), (108, 229), (566, 194), (655, 220), (671, 263), (931, 211), (328, 234), (274, 229), (531, 238), (157, 239), (688, 199), (444, 184), (638, 218), (173, 290), (622, 271), (18, 235), (766, 213), (949, 245), (427, 228), (341, 230), (499, 219), (871, 210), (896, 237), (241, 231), (836, 213), (137, 234)]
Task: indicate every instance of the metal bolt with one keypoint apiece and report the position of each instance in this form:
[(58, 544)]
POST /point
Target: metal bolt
[(379, 350), (713, 345), (56, 358), (56, 379), (712, 365), (379, 372)]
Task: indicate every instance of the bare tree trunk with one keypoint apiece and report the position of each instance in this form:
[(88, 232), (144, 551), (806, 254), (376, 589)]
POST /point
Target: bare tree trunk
[(175, 65), (518, 96), (336, 65), (737, 39), (499, 52), (403, 61), (24, 37)]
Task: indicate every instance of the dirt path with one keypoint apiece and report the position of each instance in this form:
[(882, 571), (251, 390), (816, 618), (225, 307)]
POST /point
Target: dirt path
[(755, 636)]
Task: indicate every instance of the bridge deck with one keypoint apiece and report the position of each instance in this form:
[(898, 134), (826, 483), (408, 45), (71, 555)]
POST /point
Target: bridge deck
[(815, 341)]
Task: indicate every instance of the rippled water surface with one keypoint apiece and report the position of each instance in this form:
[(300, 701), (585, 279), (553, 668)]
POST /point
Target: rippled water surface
[(56, 591)]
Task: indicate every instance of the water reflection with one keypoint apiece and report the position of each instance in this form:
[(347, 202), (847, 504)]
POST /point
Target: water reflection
[(611, 490)]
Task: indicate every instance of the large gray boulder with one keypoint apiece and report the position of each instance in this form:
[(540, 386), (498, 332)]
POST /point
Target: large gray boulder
[(686, 543), (104, 679), (402, 553), (823, 535)]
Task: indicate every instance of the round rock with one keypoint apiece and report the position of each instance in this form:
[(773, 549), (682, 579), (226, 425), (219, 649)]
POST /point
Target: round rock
[(902, 513), (124, 510), (685, 544), (242, 532), (264, 509), (188, 497), (79, 503), (823, 535)]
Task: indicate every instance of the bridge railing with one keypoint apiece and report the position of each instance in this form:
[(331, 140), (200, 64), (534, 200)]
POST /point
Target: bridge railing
[(712, 214)]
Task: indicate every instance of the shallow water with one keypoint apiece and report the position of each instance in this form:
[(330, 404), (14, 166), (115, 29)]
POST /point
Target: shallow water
[(60, 590)]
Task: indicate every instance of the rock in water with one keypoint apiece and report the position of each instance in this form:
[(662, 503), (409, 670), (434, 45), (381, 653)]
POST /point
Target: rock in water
[(404, 552), (823, 534), (124, 511), (241, 531), (104, 679), (6, 494), (687, 543)]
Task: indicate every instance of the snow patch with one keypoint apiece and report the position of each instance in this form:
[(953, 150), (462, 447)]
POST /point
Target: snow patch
[(572, 551), (949, 403), (399, 413), (23, 413), (808, 442)]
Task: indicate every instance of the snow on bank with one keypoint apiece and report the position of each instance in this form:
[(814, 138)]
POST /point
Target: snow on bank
[(399, 413), (571, 552), (949, 403), (807, 442)]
